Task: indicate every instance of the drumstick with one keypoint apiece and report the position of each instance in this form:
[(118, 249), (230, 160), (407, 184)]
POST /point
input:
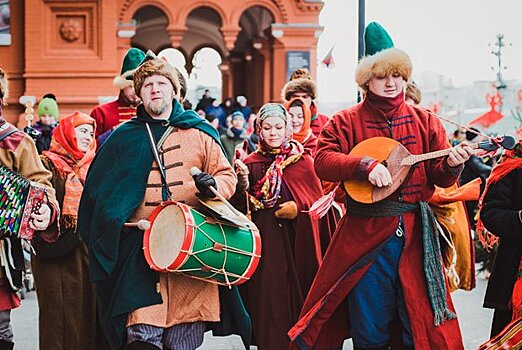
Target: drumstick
[(141, 224), (195, 172)]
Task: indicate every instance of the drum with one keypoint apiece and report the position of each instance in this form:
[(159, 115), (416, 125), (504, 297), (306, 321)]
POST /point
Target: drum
[(19, 198), (181, 239)]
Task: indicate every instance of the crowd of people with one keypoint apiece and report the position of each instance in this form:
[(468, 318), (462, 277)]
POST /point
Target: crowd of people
[(339, 258)]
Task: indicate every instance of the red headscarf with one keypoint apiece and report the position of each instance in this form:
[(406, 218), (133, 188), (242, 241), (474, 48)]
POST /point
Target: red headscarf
[(305, 131), (70, 160)]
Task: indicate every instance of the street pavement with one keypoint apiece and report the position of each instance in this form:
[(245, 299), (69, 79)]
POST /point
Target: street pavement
[(474, 321)]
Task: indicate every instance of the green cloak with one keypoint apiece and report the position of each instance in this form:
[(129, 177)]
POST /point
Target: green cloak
[(114, 188)]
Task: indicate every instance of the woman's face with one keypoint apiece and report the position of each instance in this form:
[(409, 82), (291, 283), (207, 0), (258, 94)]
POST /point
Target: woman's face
[(84, 136), (273, 131), (297, 118)]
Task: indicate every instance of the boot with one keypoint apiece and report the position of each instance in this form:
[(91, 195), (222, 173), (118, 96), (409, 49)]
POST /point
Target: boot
[(6, 345), (139, 345)]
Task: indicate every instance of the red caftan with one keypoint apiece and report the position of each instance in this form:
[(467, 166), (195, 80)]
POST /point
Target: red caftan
[(111, 114), (323, 321)]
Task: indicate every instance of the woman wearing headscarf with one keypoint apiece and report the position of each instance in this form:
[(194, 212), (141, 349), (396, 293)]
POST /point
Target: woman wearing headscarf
[(66, 297), (283, 186), (301, 118)]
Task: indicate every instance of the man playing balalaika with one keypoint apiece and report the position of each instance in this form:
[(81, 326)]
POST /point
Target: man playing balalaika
[(384, 262)]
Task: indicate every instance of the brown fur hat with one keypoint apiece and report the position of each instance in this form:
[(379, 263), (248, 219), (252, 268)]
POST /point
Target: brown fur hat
[(300, 81), (4, 88), (156, 66), (383, 63)]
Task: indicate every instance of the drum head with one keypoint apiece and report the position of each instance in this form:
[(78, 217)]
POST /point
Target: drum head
[(166, 236)]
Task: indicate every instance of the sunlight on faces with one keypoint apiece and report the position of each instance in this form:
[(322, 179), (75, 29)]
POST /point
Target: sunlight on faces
[(130, 95), (296, 112), (388, 86), (273, 131), (84, 136), (304, 96), (157, 94)]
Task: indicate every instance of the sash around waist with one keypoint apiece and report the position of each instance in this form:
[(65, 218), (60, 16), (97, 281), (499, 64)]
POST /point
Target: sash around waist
[(379, 209)]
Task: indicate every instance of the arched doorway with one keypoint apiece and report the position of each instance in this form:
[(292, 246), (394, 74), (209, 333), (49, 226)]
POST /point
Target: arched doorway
[(205, 74), (151, 29), (251, 55)]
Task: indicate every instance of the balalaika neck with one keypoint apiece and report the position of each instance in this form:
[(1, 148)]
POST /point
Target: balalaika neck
[(417, 158)]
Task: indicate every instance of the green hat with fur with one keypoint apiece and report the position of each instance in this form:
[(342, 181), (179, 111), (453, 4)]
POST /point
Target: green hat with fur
[(131, 61), (382, 58)]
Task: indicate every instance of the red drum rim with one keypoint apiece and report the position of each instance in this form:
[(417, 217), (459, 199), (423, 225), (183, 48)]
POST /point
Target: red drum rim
[(188, 240), (254, 262)]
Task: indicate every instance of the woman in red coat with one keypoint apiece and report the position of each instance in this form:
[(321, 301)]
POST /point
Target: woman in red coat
[(282, 186)]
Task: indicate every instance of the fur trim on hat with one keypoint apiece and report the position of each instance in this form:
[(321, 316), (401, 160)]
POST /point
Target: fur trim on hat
[(299, 85), (156, 66), (4, 88), (121, 81), (381, 64)]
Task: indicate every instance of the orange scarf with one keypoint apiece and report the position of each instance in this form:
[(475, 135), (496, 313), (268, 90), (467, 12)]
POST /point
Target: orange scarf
[(305, 131), (70, 161)]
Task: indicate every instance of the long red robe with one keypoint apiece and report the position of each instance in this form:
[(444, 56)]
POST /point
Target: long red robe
[(110, 114), (323, 321), (274, 296), (318, 122)]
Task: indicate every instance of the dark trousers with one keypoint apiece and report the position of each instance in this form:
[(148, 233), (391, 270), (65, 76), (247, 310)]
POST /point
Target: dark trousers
[(377, 300)]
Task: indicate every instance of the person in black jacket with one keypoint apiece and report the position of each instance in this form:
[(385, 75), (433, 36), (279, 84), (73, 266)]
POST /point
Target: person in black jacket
[(473, 168), (501, 214)]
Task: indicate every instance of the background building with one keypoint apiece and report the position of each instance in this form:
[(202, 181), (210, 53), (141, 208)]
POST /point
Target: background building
[(74, 48)]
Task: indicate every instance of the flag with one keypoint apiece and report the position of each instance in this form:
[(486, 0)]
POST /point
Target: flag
[(328, 60)]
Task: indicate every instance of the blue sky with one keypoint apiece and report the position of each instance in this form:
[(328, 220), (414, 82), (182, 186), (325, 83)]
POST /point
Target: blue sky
[(449, 37)]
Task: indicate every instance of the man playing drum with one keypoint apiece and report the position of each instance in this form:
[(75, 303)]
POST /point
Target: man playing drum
[(141, 308)]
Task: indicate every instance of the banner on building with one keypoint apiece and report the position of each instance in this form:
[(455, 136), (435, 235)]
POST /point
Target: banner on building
[(5, 23), (296, 60)]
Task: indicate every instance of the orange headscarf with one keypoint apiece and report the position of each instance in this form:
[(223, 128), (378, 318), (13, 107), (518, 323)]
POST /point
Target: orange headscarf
[(305, 132), (70, 161)]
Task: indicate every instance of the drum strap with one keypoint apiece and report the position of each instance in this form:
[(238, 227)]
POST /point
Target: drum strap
[(165, 193)]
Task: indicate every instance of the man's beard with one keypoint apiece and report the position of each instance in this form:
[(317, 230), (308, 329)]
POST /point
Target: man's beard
[(158, 108)]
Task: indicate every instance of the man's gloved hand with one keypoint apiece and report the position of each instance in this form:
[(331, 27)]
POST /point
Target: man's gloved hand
[(287, 210), (203, 181)]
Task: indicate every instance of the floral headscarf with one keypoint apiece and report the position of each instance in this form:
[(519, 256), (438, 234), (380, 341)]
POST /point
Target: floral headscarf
[(267, 191)]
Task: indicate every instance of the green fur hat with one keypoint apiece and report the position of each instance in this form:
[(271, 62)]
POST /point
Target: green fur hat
[(382, 58), (131, 61), (152, 65), (48, 106)]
